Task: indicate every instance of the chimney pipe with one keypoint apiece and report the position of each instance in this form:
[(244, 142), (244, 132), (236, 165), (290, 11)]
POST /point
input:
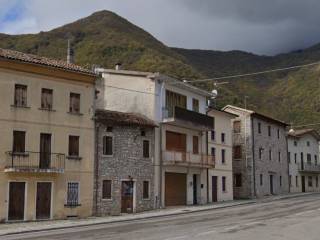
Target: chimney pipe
[(118, 66), (70, 53)]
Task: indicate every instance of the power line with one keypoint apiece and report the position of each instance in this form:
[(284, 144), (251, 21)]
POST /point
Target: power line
[(250, 74)]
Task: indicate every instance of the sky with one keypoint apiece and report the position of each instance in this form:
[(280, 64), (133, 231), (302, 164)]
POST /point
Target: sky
[(266, 27)]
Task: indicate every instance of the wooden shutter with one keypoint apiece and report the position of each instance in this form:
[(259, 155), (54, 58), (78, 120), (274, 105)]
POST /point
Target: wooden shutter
[(195, 145), (19, 141), (20, 97), (106, 189), (146, 149), (46, 98), (73, 146), (176, 141), (145, 189), (107, 145), (74, 102)]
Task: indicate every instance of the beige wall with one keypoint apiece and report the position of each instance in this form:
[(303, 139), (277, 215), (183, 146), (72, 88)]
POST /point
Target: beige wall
[(60, 124)]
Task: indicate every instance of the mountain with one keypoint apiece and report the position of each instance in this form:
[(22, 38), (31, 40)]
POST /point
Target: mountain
[(105, 38)]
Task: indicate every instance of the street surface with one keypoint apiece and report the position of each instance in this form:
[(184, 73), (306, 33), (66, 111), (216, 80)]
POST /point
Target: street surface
[(293, 219)]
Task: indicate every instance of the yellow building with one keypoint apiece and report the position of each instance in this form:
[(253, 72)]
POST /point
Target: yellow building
[(46, 138)]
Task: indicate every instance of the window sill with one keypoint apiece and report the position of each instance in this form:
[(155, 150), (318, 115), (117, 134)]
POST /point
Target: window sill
[(76, 113), (108, 156), (23, 107), (47, 109), (106, 199), (74, 158), (72, 205)]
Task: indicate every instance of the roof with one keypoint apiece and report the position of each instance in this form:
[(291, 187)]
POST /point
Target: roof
[(257, 115), (300, 132), (44, 61), (223, 112), (125, 119), (127, 72)]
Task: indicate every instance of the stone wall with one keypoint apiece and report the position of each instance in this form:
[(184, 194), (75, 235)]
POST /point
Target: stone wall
[(126, 163)]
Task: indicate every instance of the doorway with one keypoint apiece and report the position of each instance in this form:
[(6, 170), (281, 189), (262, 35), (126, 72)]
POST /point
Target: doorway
[(303, 183), (271, 185), (127, 196), (214, 189), (195, 190), (175, 189), (45, 150), (43, 204), (16, 201)]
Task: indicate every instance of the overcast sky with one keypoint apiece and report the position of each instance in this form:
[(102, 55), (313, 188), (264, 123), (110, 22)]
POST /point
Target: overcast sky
[(259, 26)]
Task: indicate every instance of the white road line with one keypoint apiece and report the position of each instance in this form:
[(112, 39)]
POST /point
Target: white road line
[(206, 233)]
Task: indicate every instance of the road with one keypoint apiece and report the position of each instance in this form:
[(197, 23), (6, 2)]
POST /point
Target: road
[(293, 219)]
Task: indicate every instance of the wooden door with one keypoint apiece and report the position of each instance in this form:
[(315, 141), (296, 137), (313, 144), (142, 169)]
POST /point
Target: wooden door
[(214, 188), (16, 201), (45, 150), (43, 205), (127, 196), (175, 189), (195, 190)]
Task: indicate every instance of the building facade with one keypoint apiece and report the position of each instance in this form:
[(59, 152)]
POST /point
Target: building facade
[(260, 154), (179, 109), (47, 138), (220, 145), (124, 179), (303, 158)]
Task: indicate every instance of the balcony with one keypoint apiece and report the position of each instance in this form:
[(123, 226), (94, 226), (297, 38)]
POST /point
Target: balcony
[(191, 119), (187, 159), (309, 168), (34, 162)]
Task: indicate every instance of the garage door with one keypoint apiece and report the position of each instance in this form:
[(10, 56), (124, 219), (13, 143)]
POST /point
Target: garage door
[(175, 189)]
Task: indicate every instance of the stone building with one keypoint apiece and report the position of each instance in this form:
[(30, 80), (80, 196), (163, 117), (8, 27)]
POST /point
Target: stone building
[(260, 155), (304, 166), (124, 177)]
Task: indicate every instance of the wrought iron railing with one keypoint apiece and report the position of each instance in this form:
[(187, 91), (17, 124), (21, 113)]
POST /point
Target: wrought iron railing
[(34, 162), (309, 167)]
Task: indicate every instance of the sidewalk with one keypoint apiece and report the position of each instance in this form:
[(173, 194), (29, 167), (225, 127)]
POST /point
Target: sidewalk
[(23, 227)]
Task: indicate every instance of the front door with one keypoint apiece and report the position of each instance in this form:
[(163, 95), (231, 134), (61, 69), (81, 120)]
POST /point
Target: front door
[(45, 150), (16, 201), (303, 183), (271, 184), (43, 209), (214, 188), (175, 189), (127, 197), (195, 190)]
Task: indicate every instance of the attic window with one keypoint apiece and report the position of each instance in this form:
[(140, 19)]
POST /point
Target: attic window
[(143, 133), (109, 129)]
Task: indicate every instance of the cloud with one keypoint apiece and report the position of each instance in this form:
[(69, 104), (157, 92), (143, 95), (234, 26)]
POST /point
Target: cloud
[(260, 26)]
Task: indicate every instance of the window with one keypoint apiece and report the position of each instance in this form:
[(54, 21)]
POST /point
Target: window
[(295, 143), (109, 129), (74, 146), (237, 180), (280, 179), (224, 188), (46, 98), (289, 157), (146, 149), (278, 133), (213, 152), (290, 179), (308, 143), (270, 154), (309, 158), (213, 135), (301, 155), (143, 133), (269, 131), (73, 194), (223, 137), (175, 100), (237, 152), (261, 179), (259, 127), (146, 190), (279, 156), (195, 105), (260, 152), (20, 95), (310, 181), (317, 181), (297, 182), (106, 189), (74, 103), (195, 145), (295, 158), (237, 126), (19, 142), (223, 156), (315, 160), (107, 145)]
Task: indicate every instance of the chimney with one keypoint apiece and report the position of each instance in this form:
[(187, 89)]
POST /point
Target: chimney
[(70, 53), (118, 66)]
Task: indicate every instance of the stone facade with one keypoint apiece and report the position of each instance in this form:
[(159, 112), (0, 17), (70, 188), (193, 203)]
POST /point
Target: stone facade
[(126, 164), (262, 165)]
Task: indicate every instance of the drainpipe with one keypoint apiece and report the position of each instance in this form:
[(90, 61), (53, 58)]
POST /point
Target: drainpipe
[(207, 153), (161, 145), (289, 190), (253, 158), (96, 156)]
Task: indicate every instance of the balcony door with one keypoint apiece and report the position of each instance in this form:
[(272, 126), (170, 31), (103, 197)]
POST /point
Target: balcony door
[(45, 150), (176, 142)]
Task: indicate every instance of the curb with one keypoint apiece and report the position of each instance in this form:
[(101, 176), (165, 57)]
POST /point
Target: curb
[(125, 220)]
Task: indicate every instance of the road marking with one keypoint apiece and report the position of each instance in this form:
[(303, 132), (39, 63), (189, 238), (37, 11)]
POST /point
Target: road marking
[(206, 233)]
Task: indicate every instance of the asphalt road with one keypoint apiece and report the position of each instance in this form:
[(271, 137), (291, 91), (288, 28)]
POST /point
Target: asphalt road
[(294, 219)]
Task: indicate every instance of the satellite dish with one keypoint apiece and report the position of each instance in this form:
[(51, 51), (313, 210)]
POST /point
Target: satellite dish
[(291, 130), (214, 93)]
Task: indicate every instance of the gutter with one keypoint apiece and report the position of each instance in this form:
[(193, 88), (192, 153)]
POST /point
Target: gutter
[(253, 158)]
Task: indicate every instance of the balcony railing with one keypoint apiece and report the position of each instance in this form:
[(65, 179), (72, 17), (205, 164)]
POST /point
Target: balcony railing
[(309, 167), (35, 162), (188, 159), (184, 116)]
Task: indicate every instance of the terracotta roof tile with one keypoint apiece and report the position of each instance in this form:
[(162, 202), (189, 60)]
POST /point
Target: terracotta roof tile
[(30, 58)]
